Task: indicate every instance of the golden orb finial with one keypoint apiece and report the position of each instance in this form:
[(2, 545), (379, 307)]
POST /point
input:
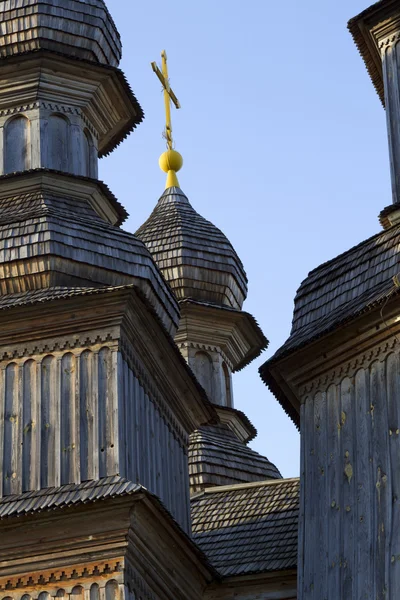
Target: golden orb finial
[(171, 162)]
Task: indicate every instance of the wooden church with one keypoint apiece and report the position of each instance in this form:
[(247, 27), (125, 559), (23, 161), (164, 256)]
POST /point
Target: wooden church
[(125, 470)]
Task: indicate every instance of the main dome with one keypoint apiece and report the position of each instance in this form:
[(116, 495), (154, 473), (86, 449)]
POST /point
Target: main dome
[(80, 28), (195, 257)]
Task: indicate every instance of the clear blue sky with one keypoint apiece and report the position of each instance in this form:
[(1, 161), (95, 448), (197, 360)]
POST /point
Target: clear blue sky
[(284, 142)]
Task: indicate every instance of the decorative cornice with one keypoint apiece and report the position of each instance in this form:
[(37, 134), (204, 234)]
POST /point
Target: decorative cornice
[(349, 368), (76, 344), (389, 41), (72, 574), (206, 348)]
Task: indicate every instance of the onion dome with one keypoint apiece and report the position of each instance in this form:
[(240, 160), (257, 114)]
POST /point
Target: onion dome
[(218, 457), (80, 28), (195, 257)]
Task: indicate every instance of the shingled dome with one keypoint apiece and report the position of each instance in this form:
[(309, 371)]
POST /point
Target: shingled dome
[(194, 256), (80, 28)]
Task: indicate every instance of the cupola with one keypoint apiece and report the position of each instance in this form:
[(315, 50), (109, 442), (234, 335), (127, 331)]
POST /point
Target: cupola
[(80, 28), (195, 257)]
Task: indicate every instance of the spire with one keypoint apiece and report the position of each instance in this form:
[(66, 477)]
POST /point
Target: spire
[(170, 161)]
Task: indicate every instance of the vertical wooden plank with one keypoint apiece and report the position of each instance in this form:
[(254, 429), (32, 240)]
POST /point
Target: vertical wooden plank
[(19, 440), (47, 435), (300, 543), (95, 404), (132, 426), (2, 426), (311, 506), (30, 456), (164, 480), (122, 418), (382, 500), (141, 434), (349, 489), (136, 429), (153, 443), (113, 455), (172, 478), (104, 416), (335, 479), (158, 459), (364, 541), (393, 395), (67, 423), (38, 471), (186, 488), (17, 149), (79, 159), (55, 403), (145, 429), (86, 416), (12, 443), (88, 433), (58, 131), (50, 440), (77, 420), (320, 492)]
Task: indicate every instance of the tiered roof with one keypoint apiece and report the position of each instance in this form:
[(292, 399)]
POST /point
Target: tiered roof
[(250, 528), (218, 457)]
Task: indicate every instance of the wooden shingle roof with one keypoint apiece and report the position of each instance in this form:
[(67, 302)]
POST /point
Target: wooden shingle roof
[(336, 293), (195, 257), (65, 496), (249, 528), (343, 288), (75, 28), (218, 457)]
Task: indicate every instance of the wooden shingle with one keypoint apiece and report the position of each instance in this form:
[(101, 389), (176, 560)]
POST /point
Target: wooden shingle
[(249, 528)]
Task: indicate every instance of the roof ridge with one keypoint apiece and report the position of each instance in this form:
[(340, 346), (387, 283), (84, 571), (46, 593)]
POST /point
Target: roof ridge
[(352, 249), (241, 486)]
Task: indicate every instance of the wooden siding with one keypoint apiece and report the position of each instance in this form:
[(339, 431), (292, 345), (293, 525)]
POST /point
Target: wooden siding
[(349, 545), (67, 417), (151, 453)]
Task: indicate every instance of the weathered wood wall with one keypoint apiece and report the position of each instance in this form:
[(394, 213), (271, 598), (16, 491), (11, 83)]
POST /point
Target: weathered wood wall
[(349, 543), (67, 417), (49, 136), (153, 452)]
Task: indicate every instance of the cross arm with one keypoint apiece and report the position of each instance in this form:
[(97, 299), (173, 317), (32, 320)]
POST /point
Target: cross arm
[(165, 84)]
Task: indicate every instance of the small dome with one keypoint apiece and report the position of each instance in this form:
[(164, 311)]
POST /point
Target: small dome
[(194, 256), (80, 28)]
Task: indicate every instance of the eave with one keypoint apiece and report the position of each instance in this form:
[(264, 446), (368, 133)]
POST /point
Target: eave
[(106, 80), (364, 28), (236, 332)]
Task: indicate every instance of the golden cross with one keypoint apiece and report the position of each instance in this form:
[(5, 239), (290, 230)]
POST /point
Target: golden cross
[(168, 96)]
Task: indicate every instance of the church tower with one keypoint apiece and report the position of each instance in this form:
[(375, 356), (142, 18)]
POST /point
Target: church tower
[(338, 377), (96, 401), (215, 336)]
